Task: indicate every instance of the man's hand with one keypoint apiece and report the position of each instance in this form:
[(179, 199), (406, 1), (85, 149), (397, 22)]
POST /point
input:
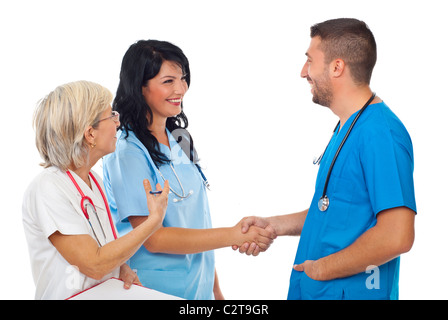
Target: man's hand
[(246, 223), (311, 268)]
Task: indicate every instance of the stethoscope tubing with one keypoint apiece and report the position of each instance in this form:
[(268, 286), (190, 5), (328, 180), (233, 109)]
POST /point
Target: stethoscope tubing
[(183, 196), (324, 192), (89, 200)]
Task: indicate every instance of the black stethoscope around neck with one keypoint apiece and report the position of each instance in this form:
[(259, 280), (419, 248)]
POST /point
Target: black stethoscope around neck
[(324, 201)]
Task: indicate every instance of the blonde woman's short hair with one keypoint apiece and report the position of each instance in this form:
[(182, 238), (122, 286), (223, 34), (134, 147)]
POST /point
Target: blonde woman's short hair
[(61, 119)]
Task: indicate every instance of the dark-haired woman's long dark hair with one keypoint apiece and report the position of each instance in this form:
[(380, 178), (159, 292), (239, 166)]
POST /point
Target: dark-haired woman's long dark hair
[(141, 63)]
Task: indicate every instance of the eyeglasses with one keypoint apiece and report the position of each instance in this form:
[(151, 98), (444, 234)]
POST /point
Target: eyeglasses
[(115, 117)]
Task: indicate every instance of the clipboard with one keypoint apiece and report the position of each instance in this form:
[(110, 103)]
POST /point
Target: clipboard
[(112, 289)]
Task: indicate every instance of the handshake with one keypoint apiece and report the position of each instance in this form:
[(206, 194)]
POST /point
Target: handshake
[(253, 235)]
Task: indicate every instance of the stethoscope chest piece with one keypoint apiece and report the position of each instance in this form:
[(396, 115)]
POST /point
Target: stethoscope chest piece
[(323, 203)]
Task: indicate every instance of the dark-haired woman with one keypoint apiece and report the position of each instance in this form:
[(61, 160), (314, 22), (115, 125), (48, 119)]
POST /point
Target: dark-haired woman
[(153, 143)]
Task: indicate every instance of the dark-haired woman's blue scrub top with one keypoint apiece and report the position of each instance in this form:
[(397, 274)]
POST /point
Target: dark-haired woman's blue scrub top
[(373, 172), (189, 276)]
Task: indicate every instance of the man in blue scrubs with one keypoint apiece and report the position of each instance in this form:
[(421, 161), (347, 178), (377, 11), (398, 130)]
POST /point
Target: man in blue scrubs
[(351, 250)]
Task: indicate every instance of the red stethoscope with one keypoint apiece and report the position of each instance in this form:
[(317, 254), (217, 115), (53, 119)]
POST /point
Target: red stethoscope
[(86, 201)]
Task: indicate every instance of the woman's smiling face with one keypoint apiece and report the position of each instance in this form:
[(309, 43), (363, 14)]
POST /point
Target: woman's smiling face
[(164, 92)]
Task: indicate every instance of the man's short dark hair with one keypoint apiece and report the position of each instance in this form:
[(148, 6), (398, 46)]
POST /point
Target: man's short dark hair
[(350, 40)]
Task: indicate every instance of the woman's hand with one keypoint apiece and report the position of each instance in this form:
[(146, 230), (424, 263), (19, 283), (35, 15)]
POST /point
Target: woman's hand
[(261, 237), (157, 203), (252, 248), (128, 276)]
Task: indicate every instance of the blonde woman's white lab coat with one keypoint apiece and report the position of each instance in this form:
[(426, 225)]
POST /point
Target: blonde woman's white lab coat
[(52, 203)]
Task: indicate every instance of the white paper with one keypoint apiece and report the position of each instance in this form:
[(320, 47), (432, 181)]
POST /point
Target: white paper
[(112, 289)]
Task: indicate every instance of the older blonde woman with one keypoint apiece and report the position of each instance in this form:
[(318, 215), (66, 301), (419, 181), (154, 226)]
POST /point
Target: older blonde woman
[(71, 238)]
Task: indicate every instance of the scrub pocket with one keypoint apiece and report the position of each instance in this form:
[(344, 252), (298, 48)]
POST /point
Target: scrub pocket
[(170, 282), (318, 290), (341, 203)]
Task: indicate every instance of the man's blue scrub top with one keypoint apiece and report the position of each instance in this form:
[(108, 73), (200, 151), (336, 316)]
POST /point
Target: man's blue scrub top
[(373, 172), (190, 276)]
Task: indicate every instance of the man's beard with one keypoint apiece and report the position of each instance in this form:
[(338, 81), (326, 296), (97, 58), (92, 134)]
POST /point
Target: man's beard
[(322, 92)]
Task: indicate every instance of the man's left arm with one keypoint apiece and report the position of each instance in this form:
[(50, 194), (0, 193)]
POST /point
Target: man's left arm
[(392, 235)]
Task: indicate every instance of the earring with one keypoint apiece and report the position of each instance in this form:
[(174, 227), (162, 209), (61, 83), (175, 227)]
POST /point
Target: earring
[(93, 145)]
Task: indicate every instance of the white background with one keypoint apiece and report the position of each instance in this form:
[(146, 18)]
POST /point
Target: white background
[(251, 115)]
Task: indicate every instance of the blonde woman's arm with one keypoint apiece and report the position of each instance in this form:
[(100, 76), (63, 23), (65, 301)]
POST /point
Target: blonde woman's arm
[(94, 261)]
